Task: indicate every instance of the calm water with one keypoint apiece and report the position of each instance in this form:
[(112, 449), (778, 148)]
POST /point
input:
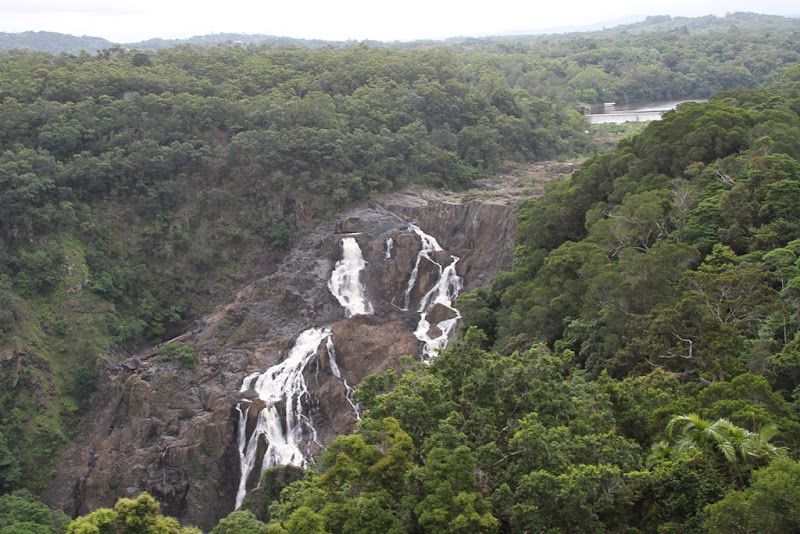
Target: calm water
[(634, 112)]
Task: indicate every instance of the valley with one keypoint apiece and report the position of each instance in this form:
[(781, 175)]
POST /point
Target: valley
[(403, 287)]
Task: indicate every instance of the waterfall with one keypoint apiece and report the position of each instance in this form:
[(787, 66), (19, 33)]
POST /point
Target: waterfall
[(444, 292), (389, 243), (349, 391), (283, 428), (284, 385), (345, 284)]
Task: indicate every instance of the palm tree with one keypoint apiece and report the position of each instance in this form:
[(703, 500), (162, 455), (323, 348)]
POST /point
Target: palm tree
[(740, 448)]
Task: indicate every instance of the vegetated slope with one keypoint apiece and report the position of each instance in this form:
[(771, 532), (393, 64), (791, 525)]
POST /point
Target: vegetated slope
[(638, 364), (52, 42), (136, 190), (658, 59), (602, 265)]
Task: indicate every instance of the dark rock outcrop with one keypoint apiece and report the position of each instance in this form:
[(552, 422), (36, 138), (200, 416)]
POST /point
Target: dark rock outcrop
[(480, 232)]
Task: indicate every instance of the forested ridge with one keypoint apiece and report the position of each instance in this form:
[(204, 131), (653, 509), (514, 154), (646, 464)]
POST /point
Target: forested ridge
[(636, 372), (639, 364)]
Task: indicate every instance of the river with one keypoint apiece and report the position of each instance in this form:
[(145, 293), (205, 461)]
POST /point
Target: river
[(634, 112)]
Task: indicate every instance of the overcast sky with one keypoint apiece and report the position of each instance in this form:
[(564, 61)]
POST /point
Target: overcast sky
[(137, 20)]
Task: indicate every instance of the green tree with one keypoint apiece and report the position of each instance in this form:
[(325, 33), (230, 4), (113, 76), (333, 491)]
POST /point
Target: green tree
[(305, 520), (175, 351), (129, 516), (10, 469), (740, 448), (584, 499), (771, 504), (672, 495), (20, 512), (240, 522), (100, 521), (448, 500)]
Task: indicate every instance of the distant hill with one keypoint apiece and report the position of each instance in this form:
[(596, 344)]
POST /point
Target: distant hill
[(56, 43), (52, 42), (235, 38), (708, 22), (658, 23)]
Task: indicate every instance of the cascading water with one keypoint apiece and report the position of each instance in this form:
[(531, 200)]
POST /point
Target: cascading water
[(281, 383), (284, 383), (283, 424), (444, 292), (389, 244), (345, 284)]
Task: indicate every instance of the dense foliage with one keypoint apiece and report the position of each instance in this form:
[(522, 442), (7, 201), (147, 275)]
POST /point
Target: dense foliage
[(677, 251), (659, 58), (640, 369), (129, 516), (483, 442), (20, 513)]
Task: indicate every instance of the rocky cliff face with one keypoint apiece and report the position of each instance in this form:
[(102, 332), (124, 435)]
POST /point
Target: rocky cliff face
[(480, 232), (156, 425)]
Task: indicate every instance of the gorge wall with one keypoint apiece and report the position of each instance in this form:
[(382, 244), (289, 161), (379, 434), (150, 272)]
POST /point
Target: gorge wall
[(172, 429)]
